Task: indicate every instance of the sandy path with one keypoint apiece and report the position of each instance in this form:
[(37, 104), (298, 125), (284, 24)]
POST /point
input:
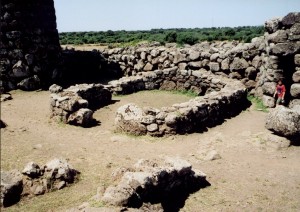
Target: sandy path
[(246, 178)]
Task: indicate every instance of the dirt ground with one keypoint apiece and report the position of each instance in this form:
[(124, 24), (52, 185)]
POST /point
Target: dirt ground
[(248, 177)]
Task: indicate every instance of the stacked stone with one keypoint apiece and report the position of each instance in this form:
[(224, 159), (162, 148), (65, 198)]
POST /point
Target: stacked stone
[(283, 47), (75, 104), (155, 181), (35, 180), (199, 82), (235, 60), (29, 44), (194, 115), (295, 87)]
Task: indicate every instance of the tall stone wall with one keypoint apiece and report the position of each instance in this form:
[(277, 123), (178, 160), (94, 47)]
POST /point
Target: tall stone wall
[(29, 44), (282, 59)]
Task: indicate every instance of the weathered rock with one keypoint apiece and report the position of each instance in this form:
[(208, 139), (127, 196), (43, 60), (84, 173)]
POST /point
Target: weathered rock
[(55, 88), (214, 66), (295, 90), (32, 170), (251, 73), (82, 117), (297, 59), (287, 48), (273, 25), (148, 67), (238, 64), (268, 101), (11, 187), (20, 70), (168, 85), (30, 84), (128, 120), (60, 170), (296, 76), (291, 19), (194, 55), (154, 180), (271, 141), (279, 36), (5, 97), (294, 102), (283, 121), (269, 88)]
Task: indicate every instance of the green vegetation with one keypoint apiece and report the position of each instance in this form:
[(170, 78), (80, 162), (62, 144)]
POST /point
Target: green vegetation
[(258, 103), (180, 36), (188, 93)]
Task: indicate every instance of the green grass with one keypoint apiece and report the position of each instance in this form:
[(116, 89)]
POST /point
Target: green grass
[(259, 105), (188, 93)]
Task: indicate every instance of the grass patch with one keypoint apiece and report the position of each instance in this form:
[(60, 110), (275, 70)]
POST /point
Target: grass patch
[(258, 103), (188, 93)]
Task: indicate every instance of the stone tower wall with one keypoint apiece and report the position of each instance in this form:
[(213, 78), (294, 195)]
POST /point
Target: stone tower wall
[(29, 44)]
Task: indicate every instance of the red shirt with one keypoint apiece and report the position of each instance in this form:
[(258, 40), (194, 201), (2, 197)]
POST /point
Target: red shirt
[(280, 90)]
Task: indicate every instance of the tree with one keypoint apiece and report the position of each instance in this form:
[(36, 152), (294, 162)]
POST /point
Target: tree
[(171, 37)]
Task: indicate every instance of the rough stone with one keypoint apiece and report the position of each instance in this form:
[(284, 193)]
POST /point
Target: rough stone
[(55, 88), (295, 90), (238, 64), (30, 84), (268, 101), (269, 88), (32, 170), (283, 121), (5, 97), (154, 180), (296, 76), (82, 117), (11, 187), (214, 66)]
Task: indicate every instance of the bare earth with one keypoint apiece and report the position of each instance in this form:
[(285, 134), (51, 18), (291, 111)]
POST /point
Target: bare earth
[(248, 177)]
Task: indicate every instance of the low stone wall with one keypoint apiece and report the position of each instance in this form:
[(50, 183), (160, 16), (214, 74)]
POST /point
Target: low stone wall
[(225, 98), (36, 180), (75, 104), (232, 59), (165, 182)]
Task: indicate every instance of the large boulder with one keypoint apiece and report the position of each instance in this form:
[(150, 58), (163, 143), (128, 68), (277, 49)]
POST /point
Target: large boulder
[(238, 64), (290, 19), (296, 76), (82, 117), (128, 119), (284, 121), (273, 25), (11, 187), (295, 90)]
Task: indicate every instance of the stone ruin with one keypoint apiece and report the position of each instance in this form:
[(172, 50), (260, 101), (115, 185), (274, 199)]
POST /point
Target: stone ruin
[(75, 104), (36, 180), (223, 98), (29, 45), (166, 182)]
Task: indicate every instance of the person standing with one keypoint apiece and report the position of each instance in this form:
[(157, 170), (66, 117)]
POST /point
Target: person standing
[(280, 92)]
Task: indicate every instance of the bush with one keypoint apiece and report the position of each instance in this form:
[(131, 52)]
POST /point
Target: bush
[(171, 37)]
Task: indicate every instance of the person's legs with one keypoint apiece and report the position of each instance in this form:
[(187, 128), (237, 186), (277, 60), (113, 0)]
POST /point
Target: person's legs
[(279, 101)]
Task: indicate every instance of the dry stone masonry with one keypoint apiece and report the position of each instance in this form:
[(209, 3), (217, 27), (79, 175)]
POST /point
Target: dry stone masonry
[(36, 180), (167, 182), (29, 44), (223, 98), (281, 60), (75, 104)]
